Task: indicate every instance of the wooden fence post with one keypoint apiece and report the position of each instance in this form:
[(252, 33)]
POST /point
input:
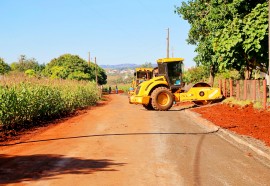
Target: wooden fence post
[(231, 88), (220, 85), (245, 89), (254, 90), (264, 94), (224, 89), (238, 89)]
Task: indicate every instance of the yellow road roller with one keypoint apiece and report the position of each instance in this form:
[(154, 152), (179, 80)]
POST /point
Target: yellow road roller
[(161, 92)]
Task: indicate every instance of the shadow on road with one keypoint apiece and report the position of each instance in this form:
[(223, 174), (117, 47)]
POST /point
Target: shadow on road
[(15, 169), (173, 109), (116, 134)]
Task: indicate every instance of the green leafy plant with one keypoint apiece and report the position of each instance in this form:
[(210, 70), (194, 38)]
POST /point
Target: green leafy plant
[(25, 101)]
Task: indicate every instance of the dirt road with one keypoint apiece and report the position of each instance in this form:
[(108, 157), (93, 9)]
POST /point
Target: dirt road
[(123, 144)]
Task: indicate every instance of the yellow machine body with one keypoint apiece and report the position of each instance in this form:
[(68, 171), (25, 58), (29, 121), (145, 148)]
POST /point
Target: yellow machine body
[(140, 75), (142, 92), (161, 91)]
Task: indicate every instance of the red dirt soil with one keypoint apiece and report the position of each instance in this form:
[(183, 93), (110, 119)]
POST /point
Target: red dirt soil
[(245, 121)]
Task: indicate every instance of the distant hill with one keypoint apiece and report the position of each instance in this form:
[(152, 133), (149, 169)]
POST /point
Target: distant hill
[(123, 66)]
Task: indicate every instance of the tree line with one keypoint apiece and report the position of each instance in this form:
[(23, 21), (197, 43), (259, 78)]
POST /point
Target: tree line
[(66, 66), (228, 35)]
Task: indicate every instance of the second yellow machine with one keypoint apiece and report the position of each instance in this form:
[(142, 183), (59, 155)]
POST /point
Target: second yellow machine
[(159, 93)]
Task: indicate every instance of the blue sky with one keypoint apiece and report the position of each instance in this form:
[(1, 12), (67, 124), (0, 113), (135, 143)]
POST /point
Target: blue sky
[(115, 32)]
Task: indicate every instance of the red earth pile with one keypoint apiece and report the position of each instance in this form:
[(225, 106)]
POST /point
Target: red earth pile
[(242, 120)]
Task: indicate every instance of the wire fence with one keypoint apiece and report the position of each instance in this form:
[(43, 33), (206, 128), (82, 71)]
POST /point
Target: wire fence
[(253, 90)]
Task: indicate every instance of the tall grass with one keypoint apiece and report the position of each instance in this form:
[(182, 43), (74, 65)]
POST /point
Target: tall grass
[(24, 101)]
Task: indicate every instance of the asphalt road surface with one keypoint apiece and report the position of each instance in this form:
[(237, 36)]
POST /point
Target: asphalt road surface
[(122, 144)]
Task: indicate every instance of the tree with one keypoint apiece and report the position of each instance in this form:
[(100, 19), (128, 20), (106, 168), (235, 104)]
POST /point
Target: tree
[(25, 64), (4, 67), (203, 19), (69, 66), (65, 65), (195, 75), (102, 76), (243, 43), (147, 65), (211, 20)]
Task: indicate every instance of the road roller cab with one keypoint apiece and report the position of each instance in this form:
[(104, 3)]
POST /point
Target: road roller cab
[(159, 93), (171, 69)]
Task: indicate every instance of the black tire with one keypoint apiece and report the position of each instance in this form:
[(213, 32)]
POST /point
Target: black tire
[(201, 84), (162, 99), (148, 106)]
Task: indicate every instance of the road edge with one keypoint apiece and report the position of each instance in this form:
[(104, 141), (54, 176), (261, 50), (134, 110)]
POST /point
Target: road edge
[(239, 141)]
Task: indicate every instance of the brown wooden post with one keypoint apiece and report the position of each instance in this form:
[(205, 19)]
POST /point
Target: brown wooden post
[(220, 84), (245, 89), (224, 89), (237, 89), (264, 94), (254, 90), (231, 88)]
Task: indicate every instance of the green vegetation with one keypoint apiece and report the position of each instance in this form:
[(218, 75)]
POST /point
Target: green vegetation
[(118, 79), (233, 101), (31, 93), (4, 68), (124, 87), (147, 65), (257, 105), (25, 64), (69, 66), (195, 74), (121, 87), (25, 101), (66, 66), (229, 35), (243, 103)]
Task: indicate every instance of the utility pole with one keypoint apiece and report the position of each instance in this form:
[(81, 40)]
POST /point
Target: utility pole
[(88, 58), (168, 43), (96, 70)]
